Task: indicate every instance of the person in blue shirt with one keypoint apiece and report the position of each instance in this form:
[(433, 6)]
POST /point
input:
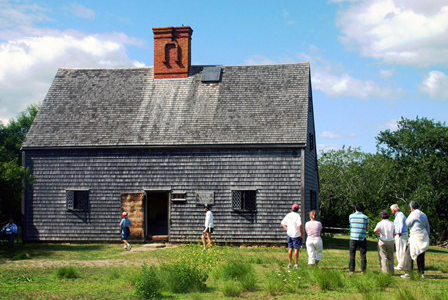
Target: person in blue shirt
[(9, 231), (125, 231), (401, 235), (359, 224)]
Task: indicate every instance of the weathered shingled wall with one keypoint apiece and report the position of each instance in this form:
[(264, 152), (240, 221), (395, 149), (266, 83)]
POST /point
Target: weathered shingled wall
[(275, 173)]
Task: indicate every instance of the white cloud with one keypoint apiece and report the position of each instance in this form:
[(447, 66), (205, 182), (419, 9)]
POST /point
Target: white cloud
[(435, 85), (264, 60), (81, 11), (329, 135), (392, 124), (330, 79), (387, 73), (411, 32), (328, 147), (30, 56), (336, 82)]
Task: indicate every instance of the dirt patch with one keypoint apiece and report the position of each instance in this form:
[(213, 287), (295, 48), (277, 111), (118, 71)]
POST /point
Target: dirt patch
[(49, 263)]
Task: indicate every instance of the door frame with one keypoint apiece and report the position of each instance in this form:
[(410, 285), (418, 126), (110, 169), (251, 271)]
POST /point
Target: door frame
[(147, 196)]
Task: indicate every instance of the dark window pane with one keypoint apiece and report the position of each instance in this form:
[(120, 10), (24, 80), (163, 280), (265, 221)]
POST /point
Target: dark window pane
[(244, 200)]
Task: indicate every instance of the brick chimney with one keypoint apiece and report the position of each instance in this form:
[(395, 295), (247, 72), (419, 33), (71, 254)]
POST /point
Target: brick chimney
[(172, 52)]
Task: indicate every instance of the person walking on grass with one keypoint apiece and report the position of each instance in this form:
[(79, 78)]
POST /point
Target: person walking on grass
[(314, 244), (209, 224), (359, 224), (125, 231), (419, 230), (292, 223), (401, 235), (385, 231)]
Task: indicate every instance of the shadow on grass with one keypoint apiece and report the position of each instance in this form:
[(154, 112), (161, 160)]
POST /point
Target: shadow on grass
[(343, 243), (42, 250)]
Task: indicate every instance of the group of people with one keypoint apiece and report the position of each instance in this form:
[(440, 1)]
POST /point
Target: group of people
[(408, 236)]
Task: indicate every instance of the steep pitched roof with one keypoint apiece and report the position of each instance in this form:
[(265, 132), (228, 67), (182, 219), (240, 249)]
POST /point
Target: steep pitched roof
[(128, 107)]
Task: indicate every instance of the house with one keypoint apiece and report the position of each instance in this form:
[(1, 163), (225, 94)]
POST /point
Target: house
[(159, 142)]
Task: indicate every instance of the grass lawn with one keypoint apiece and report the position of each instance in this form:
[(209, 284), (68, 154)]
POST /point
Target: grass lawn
[(105, 271)]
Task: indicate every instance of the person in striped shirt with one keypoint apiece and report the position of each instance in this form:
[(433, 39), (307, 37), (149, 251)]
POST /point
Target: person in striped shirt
[(359, 224)]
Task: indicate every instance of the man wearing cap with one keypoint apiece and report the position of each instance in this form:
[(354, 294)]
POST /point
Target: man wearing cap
[(125, 231), (292, 223), (209, 224)]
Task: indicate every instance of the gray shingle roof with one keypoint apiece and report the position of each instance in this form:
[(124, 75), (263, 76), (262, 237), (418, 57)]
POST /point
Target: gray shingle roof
[(127, 107)]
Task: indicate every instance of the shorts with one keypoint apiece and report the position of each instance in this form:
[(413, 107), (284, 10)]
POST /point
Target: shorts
[(125, 232), (209, 229), (294, 242)]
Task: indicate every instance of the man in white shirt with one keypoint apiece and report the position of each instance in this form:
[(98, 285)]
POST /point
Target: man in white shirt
[(209, 224), (385, 230), (401, 235), (292, 223)]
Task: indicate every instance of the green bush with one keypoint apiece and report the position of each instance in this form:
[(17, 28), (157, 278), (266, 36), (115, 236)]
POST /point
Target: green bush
[(275, 284), (232, 288), (280, 282), (147, 284), (382, 281), (361, 284), (181, 277), (405, 295), (67, 272), (234, 269), (328, 280), (249, 282)]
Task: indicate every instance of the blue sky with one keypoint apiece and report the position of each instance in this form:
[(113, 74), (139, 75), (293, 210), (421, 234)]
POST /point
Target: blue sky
[(372, 61)]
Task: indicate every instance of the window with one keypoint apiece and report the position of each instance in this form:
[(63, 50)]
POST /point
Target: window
[(77, 200), (178, 196), (313, 200), (244, 200), (311, 141)]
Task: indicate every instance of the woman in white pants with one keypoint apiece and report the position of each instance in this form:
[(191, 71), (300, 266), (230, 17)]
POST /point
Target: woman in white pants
[(314, 245)]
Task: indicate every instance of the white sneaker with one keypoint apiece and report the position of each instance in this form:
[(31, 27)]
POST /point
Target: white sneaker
[(296, 266), (398, 268), (129, 247), (423, 276), (405, 276), (125, 247)]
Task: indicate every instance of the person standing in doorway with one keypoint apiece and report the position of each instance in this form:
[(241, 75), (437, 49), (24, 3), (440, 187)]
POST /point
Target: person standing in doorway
[(125, 231), (292, 223), (359, 224), (209, 224), (401, 235)]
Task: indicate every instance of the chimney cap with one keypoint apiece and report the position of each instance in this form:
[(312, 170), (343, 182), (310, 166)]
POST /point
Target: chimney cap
[(183, 28)]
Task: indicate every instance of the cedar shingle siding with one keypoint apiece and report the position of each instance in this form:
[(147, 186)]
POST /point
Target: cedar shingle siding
[(117, 131)]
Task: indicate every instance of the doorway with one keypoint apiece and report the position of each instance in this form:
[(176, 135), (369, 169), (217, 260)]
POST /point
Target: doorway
[(157, 213)]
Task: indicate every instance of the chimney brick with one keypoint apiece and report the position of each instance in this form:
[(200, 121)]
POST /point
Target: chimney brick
[(172, 52)]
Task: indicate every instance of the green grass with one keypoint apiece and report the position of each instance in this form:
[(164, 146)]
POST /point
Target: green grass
[(105, 271)]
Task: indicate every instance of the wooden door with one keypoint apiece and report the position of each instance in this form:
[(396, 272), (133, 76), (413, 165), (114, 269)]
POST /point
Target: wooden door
[(132, 203)]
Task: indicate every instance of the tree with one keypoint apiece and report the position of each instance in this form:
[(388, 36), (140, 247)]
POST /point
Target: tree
[(11, 171), (350, 176), (419, 151)]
